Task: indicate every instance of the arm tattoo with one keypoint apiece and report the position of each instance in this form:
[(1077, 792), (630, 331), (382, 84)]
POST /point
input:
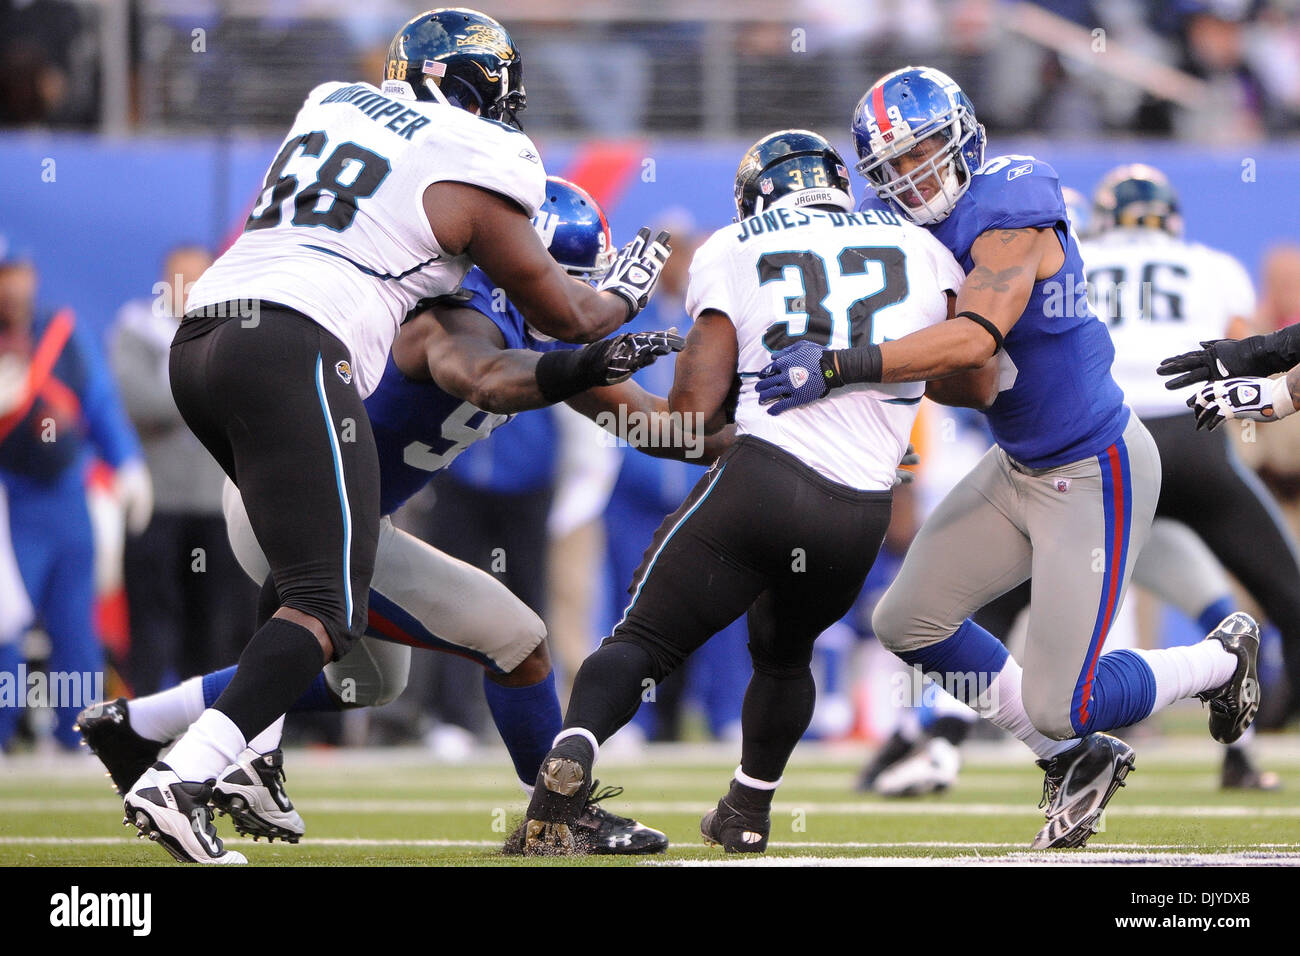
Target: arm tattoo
[(982, 277), (1293, 385), (1008, 236)]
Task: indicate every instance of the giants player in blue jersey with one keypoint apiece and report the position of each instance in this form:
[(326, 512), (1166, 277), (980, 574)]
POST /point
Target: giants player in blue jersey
[(457, 371), (1065, 496)]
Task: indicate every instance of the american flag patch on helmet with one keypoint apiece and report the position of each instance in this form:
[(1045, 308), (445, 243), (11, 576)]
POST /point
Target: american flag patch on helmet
[(434, 68)]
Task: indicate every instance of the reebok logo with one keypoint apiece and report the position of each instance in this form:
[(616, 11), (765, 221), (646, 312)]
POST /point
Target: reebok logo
[(76, 909)]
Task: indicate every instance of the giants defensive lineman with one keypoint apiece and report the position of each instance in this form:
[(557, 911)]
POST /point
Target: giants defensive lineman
[(375, 201), (1067, 493), (788, 521)]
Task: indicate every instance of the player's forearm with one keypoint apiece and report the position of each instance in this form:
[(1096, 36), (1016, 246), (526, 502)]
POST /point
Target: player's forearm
[(503, 384), (644, 421), (581, 315), (975, 389), (1269, 354)]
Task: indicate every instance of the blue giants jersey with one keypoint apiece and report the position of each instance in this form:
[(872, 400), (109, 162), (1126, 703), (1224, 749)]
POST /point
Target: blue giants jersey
[(1064, 405), (418, 427)]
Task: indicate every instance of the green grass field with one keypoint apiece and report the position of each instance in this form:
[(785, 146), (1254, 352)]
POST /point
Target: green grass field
[(394, 807)]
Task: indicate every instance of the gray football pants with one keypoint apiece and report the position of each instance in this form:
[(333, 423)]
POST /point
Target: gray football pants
[(1077, 529)]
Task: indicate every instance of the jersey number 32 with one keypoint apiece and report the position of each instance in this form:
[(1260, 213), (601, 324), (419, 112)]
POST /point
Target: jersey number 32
[(883, 267)]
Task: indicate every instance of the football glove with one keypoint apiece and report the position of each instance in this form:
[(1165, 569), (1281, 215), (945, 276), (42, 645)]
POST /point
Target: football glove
[(636, 270), (798, 374), (627, 353), (1216, 359), (1255, 399)]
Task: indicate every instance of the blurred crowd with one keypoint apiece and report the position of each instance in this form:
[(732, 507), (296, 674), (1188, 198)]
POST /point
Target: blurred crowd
[(1052, 66)]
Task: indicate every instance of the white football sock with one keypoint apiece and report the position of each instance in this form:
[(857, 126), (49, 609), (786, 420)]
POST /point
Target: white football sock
[(166, 715), (210, 746), (268, 739), (1003, 704), (1183, 671)]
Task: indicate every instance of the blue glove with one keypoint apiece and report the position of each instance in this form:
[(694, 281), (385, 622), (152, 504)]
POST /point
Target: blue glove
[(794, 377)]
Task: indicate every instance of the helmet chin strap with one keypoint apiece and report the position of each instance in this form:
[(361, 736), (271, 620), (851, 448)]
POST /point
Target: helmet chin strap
[(437, 94)]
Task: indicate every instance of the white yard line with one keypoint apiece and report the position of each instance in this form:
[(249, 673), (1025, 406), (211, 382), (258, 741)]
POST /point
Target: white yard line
[(843, 808)]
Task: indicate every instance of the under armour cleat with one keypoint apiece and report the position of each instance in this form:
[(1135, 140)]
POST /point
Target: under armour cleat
[(1077, 785), (1234, 705), (605, 833), (105, 730), (734, 829), (251, 792), (932, 768), (175, 813), (559, 799)]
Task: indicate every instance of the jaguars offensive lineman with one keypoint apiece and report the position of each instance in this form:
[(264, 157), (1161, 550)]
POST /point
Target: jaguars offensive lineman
[(787, 523), (378, 198), (1067, 493), (458, 370)]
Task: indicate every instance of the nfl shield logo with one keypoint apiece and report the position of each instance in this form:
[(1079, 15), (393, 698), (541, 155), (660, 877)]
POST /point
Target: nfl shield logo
[(765, 185), (798, 376), (1062, 485)]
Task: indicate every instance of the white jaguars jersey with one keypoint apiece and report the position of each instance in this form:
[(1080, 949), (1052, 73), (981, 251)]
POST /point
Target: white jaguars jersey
[(1160, 296), (840, 280), (339, 231)]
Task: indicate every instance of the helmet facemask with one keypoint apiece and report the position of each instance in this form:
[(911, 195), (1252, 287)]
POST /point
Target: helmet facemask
[(945, 170)]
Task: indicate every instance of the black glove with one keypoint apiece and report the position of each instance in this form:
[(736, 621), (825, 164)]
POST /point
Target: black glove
[(564, 373), (1257, 356), (636, 270), (627, 353)]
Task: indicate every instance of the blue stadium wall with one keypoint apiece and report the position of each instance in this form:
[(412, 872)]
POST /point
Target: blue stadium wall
[(98, 214)]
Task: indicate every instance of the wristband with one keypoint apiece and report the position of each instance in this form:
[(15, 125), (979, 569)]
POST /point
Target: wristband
[(845, 366), (988, 326), (563, 373), (1283, 404)]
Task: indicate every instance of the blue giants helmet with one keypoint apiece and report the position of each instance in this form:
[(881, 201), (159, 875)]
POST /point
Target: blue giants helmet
[(459, 57), (1136, 197), (573, 228), (901, 110)]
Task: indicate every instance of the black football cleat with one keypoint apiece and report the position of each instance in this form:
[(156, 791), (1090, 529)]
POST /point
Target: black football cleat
[(105, 729), (175, 814), (1234, 705), (559, 798), (735, 829), (251, 792), (1240, 773), (1077, 785), (605, 833)]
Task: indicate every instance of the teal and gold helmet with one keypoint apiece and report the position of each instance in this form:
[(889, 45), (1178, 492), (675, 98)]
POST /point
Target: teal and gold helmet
[(1136, 196)]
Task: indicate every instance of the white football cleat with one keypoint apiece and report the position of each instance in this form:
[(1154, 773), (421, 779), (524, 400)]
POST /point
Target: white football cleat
[(931, 768), (175, 813), (251, 792)]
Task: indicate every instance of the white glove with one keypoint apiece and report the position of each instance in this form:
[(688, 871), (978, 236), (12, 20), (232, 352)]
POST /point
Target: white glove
[(636, 270), (134, 491), (13, 381), (1256, 399)]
